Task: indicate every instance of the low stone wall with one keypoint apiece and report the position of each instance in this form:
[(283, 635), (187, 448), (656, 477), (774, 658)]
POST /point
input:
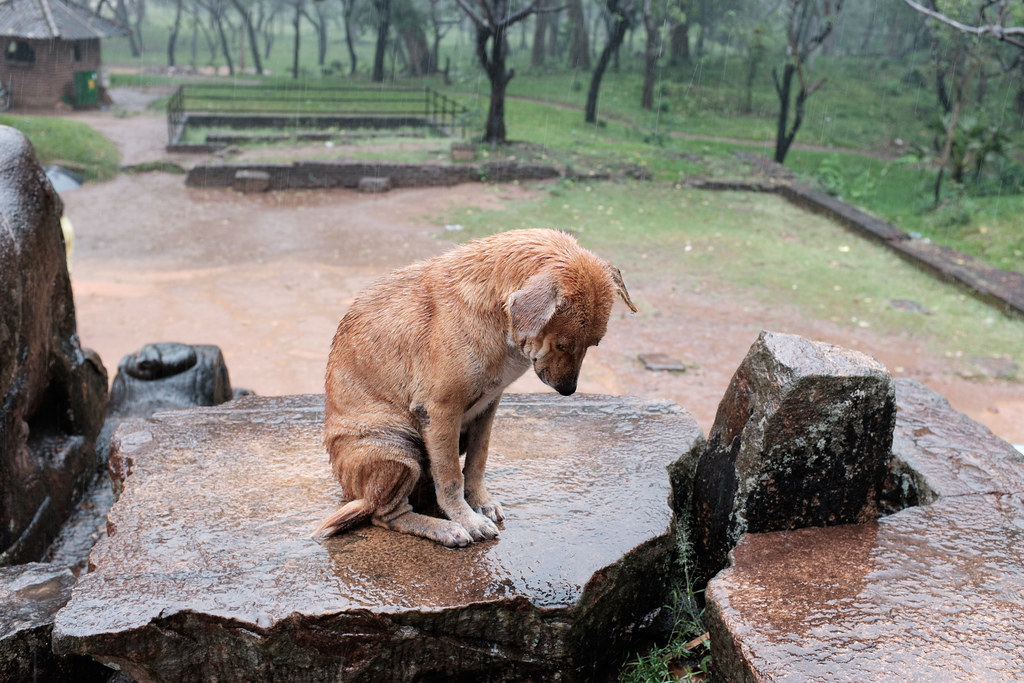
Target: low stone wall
[(326, 175)]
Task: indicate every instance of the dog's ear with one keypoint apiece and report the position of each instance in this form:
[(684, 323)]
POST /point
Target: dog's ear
[(532, 306), (621, 286)]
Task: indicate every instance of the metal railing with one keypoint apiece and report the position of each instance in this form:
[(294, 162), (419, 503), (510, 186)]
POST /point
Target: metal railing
[(310, 103)]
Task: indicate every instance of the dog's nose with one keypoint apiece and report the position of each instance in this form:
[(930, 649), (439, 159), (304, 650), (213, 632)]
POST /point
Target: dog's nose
[(566, 388)]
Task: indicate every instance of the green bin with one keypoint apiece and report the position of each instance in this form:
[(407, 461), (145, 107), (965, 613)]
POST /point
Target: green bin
[(86, 87)]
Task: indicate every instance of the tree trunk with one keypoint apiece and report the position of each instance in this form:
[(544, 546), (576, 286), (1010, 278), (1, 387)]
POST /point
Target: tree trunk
[(121, 13), (172, 39), (383, 27), (417, 51), (651, 50), (321, 35), (554, 45), (679, 43), (579, 47), (225, 48), (295, 47), (494, 130), (782, 140), (616, 34), (349, 42), (540, 31), (140, 20), (251, 31)]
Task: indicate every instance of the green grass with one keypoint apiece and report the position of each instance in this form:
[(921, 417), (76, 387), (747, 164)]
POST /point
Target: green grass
[(760, 247), (70, 143)]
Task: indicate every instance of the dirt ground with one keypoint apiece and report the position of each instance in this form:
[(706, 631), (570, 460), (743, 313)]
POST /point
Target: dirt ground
[(267, 277)]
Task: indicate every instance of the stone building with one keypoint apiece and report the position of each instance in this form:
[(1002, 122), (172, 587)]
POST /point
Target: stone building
[(50, 51)]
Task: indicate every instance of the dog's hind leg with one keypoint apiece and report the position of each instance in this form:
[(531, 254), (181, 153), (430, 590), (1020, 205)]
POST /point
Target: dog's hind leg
[(443, 531)]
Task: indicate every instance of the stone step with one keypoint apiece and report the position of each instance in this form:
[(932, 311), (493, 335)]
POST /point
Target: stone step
[(934, 592), (209, 570)]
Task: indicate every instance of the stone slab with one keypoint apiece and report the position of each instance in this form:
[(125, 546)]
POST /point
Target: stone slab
[(933, 593), (209, 569)]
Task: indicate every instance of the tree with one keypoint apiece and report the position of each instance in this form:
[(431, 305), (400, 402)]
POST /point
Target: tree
[(958, 59), (492, 19), (808, 23), (620, 18)]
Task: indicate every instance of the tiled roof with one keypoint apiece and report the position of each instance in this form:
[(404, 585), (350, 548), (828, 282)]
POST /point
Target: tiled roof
[(47, 19)]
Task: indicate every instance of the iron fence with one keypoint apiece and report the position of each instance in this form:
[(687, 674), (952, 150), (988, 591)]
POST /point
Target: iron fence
[(311, 106)]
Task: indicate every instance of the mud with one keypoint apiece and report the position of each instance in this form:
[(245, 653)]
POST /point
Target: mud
[(267, 277)]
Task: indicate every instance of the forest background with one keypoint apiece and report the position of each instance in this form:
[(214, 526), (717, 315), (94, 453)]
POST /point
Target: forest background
[(907, 116)]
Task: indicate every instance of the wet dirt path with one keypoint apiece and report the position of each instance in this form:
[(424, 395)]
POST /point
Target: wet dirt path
[(267, 277)]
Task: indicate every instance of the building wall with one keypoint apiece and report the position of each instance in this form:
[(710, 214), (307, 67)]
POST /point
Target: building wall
[(49, 76)]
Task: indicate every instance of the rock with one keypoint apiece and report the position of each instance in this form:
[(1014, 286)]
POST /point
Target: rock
[(802, 438), (52, 391), (209, 570), (981, 367), (374, 185), (30, 595), (251, 181), (909, 306), (661, 362), (165, 376), (892, 599), (463, 152), (931, 593)]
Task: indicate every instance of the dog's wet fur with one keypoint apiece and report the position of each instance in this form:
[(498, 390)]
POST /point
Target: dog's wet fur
[(419, 363)]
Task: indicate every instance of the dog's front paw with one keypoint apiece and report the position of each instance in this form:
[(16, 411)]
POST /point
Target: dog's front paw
[(453, 535), (491, 510), (480, 528)]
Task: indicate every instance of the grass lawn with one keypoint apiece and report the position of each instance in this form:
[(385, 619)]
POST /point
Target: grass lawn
[(69, 143), (760, 246)]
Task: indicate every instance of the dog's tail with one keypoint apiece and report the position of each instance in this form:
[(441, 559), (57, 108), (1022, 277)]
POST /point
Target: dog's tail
[(347, 516)]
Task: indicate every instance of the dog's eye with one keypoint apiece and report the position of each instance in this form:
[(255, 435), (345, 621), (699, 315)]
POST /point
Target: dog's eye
[(561, 346)]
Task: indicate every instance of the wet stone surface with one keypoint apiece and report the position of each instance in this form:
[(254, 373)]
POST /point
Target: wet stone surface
[(30, 595), (934, 592), (209, 569), (941, 452)]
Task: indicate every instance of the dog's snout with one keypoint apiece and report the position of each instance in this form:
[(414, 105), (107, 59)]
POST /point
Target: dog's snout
[(567, 388)]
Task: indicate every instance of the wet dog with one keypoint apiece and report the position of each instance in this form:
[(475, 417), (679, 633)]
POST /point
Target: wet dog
[(419, 363)]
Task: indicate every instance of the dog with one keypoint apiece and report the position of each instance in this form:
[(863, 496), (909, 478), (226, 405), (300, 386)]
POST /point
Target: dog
[(420, 361)]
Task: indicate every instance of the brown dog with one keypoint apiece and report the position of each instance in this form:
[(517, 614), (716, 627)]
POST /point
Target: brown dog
[(420, 360)]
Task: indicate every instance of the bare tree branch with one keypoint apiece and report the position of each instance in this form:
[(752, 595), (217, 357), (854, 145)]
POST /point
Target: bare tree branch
[(1007, 34)]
